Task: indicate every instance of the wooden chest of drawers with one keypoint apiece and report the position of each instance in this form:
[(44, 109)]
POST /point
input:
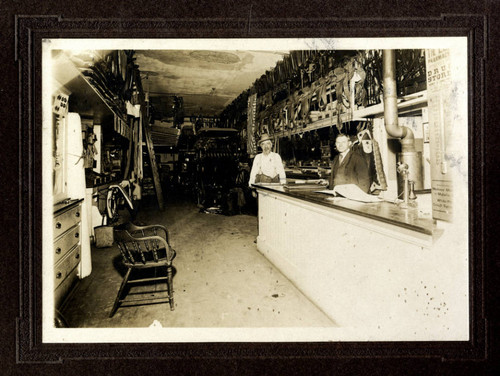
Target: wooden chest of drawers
[(67, 246)]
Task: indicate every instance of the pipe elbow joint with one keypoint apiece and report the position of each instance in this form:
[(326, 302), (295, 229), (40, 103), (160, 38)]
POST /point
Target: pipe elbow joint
[(407, 140)]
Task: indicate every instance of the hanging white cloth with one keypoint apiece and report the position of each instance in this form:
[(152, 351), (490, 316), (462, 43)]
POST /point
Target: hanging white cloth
[(75, 188), (133, 110)]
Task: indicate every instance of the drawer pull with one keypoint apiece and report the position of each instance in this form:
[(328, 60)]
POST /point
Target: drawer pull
[(58, 250), (77, 214), (77, 235), (59, 275), (77, 256), (58, 225)]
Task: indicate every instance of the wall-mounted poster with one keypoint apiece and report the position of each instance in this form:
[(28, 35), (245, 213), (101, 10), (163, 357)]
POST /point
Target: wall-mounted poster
[(252, 111), (444, 121)]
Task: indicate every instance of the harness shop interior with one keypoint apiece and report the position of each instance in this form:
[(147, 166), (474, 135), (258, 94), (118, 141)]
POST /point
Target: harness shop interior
[(264, 187)]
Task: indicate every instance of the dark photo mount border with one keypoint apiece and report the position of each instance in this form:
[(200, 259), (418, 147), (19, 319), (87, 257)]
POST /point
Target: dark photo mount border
[(32, 30)]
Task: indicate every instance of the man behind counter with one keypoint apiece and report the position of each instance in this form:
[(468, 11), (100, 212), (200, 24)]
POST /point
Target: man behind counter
[(348, 167), (267, 166)]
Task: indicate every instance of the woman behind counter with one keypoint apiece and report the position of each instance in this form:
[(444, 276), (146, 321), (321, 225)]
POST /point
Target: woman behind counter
[(267, 166)]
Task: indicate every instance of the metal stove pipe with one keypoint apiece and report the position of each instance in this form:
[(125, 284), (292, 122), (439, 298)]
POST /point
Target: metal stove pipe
[(408, 154), (405, 134)]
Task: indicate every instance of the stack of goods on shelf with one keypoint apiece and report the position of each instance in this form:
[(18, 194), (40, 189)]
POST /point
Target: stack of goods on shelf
[(310, 86)]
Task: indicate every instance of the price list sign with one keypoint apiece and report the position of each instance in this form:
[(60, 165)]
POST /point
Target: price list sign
[(439, 97)]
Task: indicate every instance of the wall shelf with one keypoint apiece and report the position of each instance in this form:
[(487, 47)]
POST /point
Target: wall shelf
[(406, 104)]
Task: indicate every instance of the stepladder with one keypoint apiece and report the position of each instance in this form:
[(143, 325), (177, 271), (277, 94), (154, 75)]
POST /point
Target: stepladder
[(154, 166)]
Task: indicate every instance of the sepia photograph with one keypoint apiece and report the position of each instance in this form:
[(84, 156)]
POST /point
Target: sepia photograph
[(255, 190)]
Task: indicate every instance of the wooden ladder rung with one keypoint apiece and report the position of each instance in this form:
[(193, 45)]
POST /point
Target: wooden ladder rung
[(166, 298), (154, 167)]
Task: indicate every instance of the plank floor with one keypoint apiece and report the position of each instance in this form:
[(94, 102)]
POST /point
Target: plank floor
[(220, 280)]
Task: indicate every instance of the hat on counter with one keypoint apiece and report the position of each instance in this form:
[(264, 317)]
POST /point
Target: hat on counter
[(265, 137)]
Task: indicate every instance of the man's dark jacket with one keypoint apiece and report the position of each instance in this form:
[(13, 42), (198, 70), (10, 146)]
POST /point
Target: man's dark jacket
[(352, 170)]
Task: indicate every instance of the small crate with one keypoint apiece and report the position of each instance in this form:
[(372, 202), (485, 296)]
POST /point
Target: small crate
[(104, 236)]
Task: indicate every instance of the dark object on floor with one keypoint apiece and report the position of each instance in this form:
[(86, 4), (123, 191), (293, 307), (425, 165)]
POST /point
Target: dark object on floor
[(144, 247)]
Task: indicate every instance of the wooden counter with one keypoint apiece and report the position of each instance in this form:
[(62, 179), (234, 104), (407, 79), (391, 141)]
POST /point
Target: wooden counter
[(392, 273), (388, 212)]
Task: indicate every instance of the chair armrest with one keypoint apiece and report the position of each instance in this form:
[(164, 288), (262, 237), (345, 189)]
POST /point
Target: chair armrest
[(134, 229), (155, 227)]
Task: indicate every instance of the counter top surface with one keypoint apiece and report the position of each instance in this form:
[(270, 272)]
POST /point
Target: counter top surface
[(65, 204), (412, 218)]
